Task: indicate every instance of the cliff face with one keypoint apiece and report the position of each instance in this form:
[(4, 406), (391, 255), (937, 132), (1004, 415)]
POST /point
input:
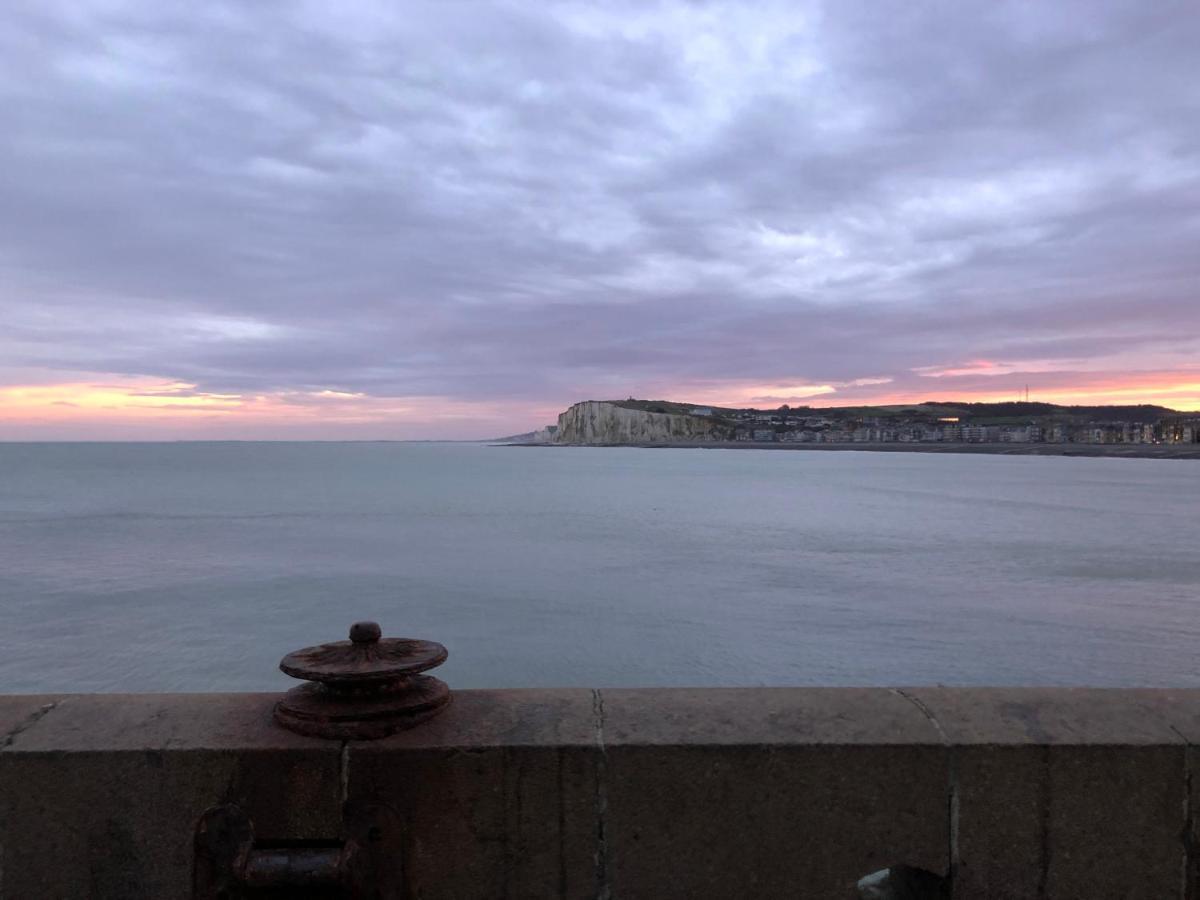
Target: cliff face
[(597, 422)]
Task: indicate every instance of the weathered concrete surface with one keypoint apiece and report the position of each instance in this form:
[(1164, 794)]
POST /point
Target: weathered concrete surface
[(625, 793), (768, 793), (1181, 708), (764, 716), (100, 797), (1063, 792), (19, 712), (497, 795)]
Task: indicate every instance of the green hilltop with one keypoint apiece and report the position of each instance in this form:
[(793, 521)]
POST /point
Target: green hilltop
[(981, 413)]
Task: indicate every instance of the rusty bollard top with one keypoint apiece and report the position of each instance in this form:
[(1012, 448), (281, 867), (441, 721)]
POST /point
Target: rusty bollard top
[(364, 688)]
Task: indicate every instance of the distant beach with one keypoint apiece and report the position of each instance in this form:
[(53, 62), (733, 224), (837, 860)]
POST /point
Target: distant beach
[(1124, 451)]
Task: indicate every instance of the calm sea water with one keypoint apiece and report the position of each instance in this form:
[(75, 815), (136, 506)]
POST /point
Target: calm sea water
[(195, 567)]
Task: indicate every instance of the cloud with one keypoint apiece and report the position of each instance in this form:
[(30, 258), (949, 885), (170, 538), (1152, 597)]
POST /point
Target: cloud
[(538, 203)]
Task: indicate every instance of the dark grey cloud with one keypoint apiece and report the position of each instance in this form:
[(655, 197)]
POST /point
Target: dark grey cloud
[(536, 202)]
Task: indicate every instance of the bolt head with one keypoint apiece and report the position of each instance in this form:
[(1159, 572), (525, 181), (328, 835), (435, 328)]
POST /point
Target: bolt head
[(365, 632)]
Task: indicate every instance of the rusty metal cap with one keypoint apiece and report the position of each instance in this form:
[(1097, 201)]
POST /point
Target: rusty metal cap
[(364, 659), (364, 688)]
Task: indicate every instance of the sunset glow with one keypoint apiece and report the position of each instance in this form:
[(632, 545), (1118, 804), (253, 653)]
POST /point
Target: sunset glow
[(148, 409), (1173, 390), (732, 204), (71, 400), (144, 409)]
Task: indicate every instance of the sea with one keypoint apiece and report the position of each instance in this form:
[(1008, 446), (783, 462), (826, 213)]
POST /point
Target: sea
[(196, 566)]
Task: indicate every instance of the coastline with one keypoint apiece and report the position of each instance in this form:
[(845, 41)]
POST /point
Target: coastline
[(1114, 451)]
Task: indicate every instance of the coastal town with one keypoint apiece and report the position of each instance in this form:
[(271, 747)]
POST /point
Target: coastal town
[(769, 427)]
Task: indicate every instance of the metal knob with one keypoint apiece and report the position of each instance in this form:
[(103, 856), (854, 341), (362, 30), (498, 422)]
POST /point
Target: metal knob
[(365, 632)]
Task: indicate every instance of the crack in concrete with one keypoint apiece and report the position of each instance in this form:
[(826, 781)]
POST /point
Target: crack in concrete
[(925, 711), (603, 887), (27, 723), (952, 790), (1045, 817), (8, 740), (1187, 888), (344, 771)]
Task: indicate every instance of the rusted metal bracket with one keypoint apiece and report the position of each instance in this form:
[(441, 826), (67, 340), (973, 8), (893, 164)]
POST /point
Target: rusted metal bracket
[(364, 864)]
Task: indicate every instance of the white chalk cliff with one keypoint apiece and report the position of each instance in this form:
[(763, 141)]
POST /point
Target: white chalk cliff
[(599, 422)]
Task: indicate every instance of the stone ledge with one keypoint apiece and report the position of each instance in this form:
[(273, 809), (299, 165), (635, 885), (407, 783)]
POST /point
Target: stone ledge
[(763, 717), (1061, 716), (631, 793), (631, 717)]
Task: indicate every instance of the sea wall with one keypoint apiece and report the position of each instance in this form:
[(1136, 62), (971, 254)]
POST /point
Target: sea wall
[(778, 792), (598, 422)]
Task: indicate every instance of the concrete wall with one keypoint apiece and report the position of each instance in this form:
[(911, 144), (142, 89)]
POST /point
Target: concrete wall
[(629, 793)]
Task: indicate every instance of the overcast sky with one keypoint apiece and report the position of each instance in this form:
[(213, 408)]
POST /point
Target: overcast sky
[(450, 219)]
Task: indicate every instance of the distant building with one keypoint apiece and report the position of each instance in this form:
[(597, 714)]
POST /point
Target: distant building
[(799, 436), (974, 434), (764, 435), (1022, 434), (702, 411), (1131, 434), (1104, 434)]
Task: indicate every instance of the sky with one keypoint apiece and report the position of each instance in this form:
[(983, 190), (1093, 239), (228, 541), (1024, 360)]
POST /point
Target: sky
[(453, 220)]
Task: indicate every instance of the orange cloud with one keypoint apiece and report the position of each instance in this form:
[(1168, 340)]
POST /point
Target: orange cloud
[(130, 397), (1182, 395), (135, 408)]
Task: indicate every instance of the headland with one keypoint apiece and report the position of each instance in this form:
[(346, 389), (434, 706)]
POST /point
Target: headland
[(1040, 429)]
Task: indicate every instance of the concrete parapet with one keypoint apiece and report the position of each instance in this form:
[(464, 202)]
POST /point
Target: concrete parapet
[(772, 792)]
